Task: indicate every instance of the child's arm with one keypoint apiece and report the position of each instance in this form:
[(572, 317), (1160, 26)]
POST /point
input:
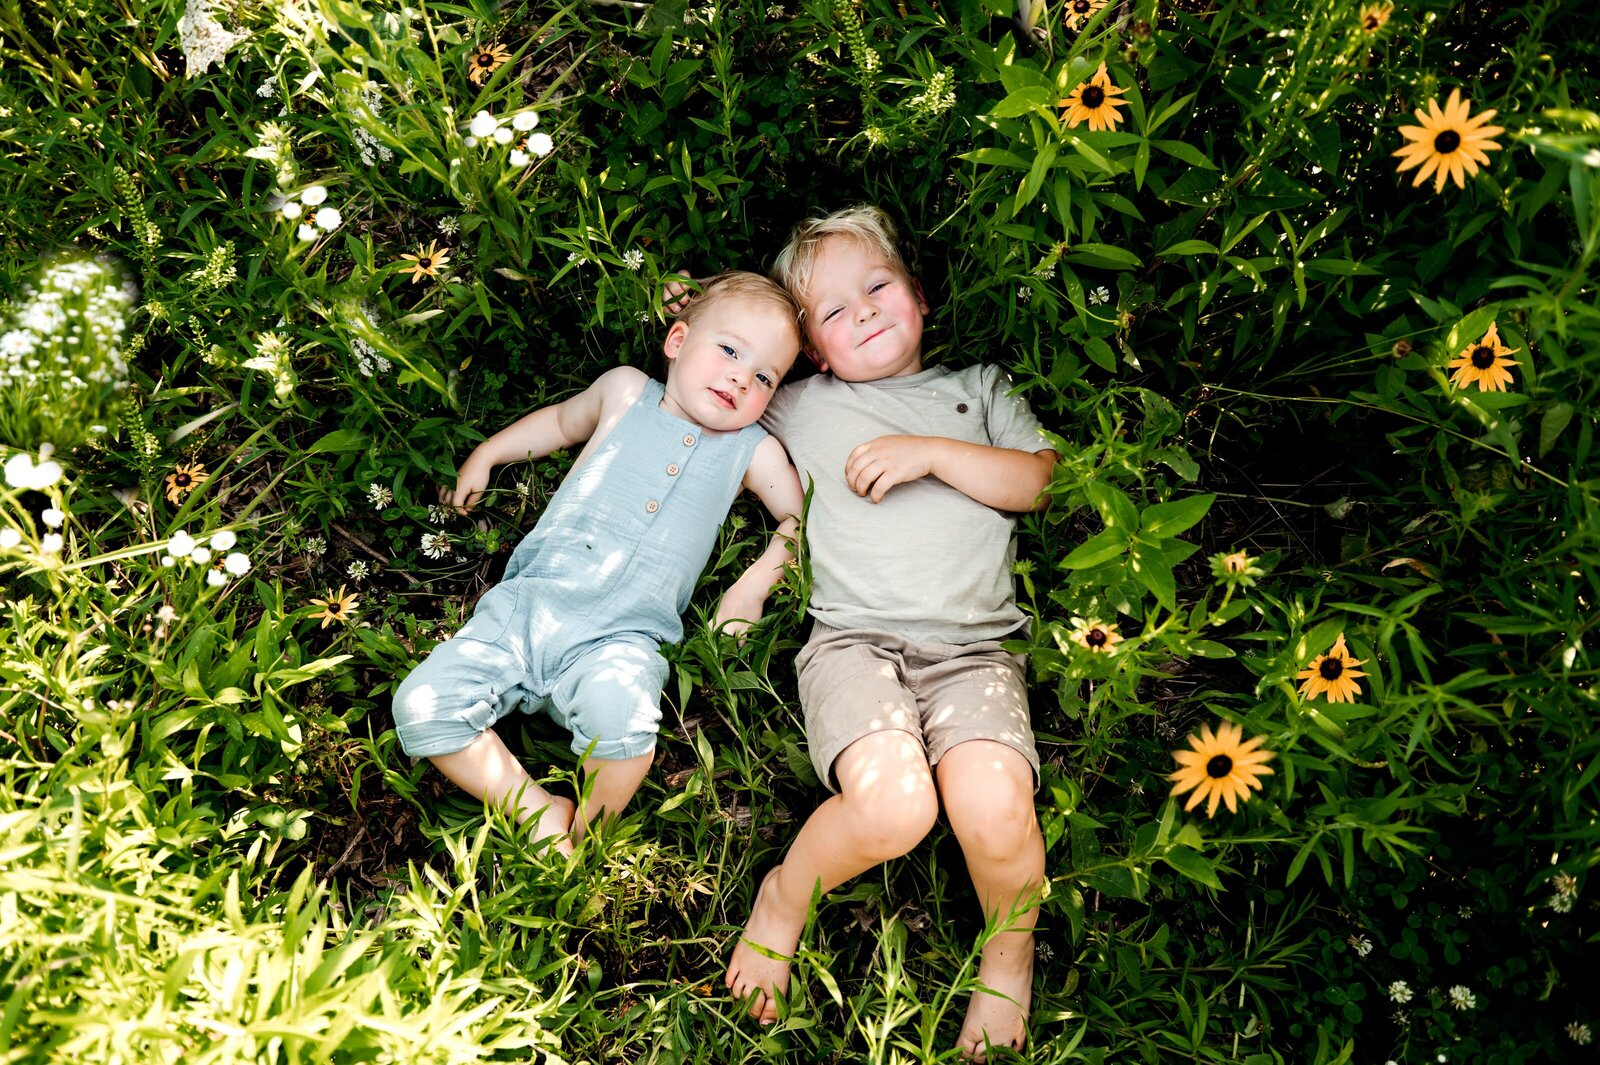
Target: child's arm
[(999, 477), (547, 429), (772, 478)]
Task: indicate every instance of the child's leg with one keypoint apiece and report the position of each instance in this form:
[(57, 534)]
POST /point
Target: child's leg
[(613, 784), (885, 806), (488, 771), (987, 789)]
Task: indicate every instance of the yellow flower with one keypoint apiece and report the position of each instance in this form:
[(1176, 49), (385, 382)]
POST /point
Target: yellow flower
[(1094, 635), (1448, 143), (1095, 101), (185, 479), (1484, 363), (426, 262), (1375, 16), (337, 607), (1333, 673), (485, 60), (1220, 767), (1081, 11)]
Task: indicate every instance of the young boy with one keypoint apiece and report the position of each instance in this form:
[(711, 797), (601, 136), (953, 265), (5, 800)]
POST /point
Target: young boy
[(909, 698), (591, 593)]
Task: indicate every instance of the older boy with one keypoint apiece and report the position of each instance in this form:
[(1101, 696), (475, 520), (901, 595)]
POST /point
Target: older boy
[(909, 697)]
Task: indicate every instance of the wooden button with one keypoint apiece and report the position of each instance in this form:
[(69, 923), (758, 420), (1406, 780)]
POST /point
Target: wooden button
[(652, 506), (672, 470), (688, 441), (961, 408)]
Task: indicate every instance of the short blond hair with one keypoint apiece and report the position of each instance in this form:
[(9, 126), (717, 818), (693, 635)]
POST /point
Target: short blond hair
[(741, 285), (865, 224)]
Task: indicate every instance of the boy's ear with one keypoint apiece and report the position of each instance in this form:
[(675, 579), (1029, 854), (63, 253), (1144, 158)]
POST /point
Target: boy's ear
[(922, 299), (675, 338)]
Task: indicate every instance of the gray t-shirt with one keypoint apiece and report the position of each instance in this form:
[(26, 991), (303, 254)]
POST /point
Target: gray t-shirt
[(928, 562)]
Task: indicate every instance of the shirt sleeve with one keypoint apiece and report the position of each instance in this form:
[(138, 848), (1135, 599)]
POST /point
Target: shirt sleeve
[(1009, 419)]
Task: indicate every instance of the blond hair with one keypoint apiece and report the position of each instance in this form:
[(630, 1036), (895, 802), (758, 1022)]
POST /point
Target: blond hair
[(741, 285), (865, 224)]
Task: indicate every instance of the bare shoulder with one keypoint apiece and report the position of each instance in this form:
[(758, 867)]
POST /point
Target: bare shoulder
[(621, 385)]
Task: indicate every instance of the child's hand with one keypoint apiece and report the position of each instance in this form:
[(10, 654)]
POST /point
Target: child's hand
[(878, 465), (675, 296), (739, 610), (471, 480)]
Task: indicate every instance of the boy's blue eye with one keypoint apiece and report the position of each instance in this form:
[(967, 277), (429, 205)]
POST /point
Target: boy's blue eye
[(729, 352), (764, 379)]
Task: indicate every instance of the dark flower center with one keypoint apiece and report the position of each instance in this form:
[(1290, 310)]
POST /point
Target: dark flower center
[(1093, 97), (486, 59), (1331, 668), (1447, 142), (1081, 6), (425, 261), (1219, 766), (1095, 638), (182, 480), (1372, 22), (1483, 356)]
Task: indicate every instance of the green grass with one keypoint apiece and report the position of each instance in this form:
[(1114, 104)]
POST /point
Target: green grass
[(1232, 312)]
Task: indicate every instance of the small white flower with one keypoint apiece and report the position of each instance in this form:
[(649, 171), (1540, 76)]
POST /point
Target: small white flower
[(1579, 1033), (167, 614), (216, 578), (291, 210), (23, 472), (1400, 992), (51, 544), (1024, 293), (237, 563), (328, 218), (1100, 295), (435, 545), (1463, 999), (470, 142), (524, 121), (379, 495), (224, 540), (357, 570), (315, 546), (9, 538), (200, 556), (518, 158), (53, 517), (313, 196), (541, 144), (633, 258), (307, 232), (1361, 945), (483, 124), (167, 561), (180, 545), (503, 135)]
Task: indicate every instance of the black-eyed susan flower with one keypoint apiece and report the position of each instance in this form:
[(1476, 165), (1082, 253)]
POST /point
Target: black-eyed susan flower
[(1375, 16), (1220, 767), (1094, 635), (337, 607), (1094, 101), (185, 479), (1081, 11), (1333, 674), (485, 60), (1448, 144), (1484, 363), (1235, 567), (426, 262)]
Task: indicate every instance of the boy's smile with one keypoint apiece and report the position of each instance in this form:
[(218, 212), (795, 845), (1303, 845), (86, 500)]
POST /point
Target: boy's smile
[(863, 315), (723, 369)]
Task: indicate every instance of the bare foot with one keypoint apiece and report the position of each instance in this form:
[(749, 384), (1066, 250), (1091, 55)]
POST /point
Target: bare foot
[(998, 1013), (555, 819), (754, 977)]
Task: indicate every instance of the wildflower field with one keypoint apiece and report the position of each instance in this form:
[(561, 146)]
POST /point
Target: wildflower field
[(1303, 290)]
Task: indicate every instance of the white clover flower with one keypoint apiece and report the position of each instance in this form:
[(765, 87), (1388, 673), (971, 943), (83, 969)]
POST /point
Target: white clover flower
[(633, 258), (224, 540), (216, 578), (9, 538), (308, 232), (1579, 1033), (483, 124), (328, 218), (53, 517), (1361, 945), (180, 545), (23, 472), (1100, 295), (449, 225), (313, 196), (316, 546), (518, 158), (523, 121), (200, 556), (1400, 992), (51, 544), (1024, 293), (291, 210), (379, 495), (357, 570), (436, 545), (541, 144), (503, 135), (1462, 998), (237, 563)]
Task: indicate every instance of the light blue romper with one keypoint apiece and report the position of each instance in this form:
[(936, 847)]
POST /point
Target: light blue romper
[(589, 595)]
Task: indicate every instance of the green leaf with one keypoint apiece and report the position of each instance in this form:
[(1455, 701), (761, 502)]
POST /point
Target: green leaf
[(1550, 426), (1153, 571), (341, 440), (1025, 100), (995, 157), (1104, 256), (1185, 152), (1115, 508), (1188, 247), (1097, 550), (1166, 520), (1193, 865)]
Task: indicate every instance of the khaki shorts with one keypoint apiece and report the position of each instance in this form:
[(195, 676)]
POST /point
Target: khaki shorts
[(854, 682)]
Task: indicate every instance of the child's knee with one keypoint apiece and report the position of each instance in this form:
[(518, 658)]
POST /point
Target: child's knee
[(431, 720), (892, 814)]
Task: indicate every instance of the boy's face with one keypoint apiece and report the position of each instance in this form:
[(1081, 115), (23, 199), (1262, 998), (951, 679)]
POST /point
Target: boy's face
[(723, 369), (863, 315)]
